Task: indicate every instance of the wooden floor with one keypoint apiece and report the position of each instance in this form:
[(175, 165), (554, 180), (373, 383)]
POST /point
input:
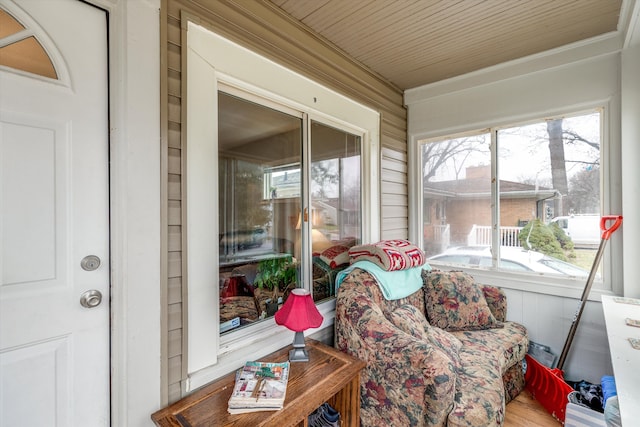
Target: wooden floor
[(525, 411)]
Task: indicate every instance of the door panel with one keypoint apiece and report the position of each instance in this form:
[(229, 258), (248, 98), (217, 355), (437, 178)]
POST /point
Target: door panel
[(45, 367), (54, 352), (29, 167)]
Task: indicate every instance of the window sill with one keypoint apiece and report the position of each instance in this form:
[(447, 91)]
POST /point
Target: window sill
[(532, 282), (241, 346)]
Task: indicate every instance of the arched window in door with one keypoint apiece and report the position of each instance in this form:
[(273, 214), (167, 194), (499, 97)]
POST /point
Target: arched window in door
[(21, 50)]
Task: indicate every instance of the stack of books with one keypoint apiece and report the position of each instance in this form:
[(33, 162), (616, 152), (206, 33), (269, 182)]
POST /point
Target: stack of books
[(260, 386)]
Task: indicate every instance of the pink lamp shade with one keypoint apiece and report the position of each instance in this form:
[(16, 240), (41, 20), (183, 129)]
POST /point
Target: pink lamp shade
[(299, 312)]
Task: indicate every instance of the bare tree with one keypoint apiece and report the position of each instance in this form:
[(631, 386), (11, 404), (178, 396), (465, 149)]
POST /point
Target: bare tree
[(325, 175), (249, 212), (584, 192), (558, 166), (452, 152), (572, 137), (580, 195)]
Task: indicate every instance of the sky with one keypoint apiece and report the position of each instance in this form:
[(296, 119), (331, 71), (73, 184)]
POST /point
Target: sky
[(524, 152)]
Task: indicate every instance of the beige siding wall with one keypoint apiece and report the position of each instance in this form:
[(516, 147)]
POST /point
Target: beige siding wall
[(263, 28), (394, 193)]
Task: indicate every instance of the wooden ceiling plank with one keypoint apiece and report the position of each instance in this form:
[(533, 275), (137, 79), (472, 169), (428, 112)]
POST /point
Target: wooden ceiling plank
[(455, 46), (329, 17), (438, 35), (301, 10), (361, 33), (399, 39)]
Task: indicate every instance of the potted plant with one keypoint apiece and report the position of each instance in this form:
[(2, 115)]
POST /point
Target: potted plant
[(276, 275)]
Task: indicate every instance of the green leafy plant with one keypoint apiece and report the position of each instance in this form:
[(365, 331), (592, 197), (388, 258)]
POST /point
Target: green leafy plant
[(549, 240), (564, 240), (276, 274)]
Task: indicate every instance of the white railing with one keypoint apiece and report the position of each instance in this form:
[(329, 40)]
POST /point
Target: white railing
[(509, 236), (442, 236), (480, 235)]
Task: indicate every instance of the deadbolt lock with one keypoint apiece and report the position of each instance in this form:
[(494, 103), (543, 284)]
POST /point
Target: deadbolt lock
[(90, 263)]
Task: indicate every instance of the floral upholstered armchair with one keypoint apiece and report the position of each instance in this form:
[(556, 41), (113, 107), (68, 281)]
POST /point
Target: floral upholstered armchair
[(440, 353)]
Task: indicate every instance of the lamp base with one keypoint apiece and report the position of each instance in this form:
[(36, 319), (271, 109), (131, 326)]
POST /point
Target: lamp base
[(298, 353)]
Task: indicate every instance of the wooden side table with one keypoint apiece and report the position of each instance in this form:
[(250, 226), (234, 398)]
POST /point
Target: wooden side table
[(330, 376)]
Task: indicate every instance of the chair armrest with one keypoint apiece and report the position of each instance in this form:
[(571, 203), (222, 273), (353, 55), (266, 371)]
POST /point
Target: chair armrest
[(497, 301), (406, 381)]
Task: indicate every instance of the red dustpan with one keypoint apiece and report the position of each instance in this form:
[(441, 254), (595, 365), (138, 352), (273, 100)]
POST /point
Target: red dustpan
[(547, 385)]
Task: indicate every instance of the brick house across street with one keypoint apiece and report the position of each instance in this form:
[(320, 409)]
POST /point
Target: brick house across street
[(458, 212)]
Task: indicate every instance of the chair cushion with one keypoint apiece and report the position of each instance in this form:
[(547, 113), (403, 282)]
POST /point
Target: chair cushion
[(507, 346), (487, 356)]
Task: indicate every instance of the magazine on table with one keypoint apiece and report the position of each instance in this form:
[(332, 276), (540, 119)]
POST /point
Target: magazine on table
[(260, 386)]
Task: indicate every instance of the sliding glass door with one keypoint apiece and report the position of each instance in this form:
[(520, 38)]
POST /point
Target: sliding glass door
[(282, 207)]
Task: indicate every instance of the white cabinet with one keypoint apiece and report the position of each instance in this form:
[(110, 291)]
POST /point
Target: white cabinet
[(625, 358)]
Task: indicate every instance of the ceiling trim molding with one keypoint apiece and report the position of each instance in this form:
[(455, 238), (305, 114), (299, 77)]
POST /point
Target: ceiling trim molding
[(584, 50), (629, 22)]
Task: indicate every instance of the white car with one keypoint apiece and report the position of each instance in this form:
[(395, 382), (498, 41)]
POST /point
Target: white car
[(511, 258)]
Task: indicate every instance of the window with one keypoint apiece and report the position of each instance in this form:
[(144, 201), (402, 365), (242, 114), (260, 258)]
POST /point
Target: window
[(258, 146), (263, 245), (541, 214), (278, 171), (21, 48)]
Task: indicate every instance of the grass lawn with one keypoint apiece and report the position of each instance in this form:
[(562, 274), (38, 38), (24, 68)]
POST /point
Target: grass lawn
[(584, 258)]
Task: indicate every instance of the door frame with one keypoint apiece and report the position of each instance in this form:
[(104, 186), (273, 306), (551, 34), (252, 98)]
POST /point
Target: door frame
[(135, 210)]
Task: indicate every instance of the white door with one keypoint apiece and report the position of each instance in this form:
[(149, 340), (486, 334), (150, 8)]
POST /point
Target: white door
[(54, 352)]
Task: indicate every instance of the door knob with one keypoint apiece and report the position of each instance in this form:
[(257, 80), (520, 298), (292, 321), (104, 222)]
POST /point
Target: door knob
[(90, 299)]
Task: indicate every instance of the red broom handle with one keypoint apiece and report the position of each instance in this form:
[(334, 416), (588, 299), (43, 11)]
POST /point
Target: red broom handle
[(607, 232)]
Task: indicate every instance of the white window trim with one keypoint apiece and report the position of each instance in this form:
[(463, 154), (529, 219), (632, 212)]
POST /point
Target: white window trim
[(212, 59), (539, 283), (573, 78)]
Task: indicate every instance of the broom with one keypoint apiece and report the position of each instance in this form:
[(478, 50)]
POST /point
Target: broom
[(547, 385)]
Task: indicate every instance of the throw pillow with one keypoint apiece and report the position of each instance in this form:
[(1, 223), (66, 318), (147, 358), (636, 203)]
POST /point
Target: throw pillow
[(390, 255), (335, 256), (454, 302)]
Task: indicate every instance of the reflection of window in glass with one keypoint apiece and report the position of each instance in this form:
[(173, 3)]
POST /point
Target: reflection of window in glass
[(547, 195), (282, 182), (336, 197), (256, 146), (335, 181)]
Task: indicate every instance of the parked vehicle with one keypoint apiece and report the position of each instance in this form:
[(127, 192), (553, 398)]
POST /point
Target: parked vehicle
[(243, 239), (584, 230), (511, 258)]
